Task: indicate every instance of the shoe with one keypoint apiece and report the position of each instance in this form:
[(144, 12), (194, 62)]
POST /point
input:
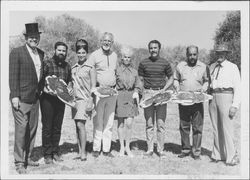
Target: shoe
[(57, 158), (32, 163), (108, 154), (84, 159), (182, 155), (162, 154), (95, 154), (196, 157), (233, 162), (48, 160), (149, 154), (20, 169), (214, 160)]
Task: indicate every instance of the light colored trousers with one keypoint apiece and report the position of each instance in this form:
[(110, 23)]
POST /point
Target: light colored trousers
[(154, 114), (103, 123), (223, 148)]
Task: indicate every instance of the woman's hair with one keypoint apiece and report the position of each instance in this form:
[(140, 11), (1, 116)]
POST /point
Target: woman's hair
[(82, 44), (126, 50)]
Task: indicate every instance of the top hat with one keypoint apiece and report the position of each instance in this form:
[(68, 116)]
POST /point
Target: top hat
[(31, 29), (222, 48)]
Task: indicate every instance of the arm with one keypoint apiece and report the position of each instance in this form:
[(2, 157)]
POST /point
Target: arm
[(177, 78), (169, 78), (236, 98), (205, 79), (14, 75)]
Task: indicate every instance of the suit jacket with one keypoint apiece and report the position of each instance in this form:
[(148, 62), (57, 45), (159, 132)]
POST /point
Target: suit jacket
[(23, 81)]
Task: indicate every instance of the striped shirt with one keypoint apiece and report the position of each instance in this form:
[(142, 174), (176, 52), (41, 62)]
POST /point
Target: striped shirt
[(154, 72)]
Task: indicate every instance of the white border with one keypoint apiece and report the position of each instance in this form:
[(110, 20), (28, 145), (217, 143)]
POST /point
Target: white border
[(7, 6)]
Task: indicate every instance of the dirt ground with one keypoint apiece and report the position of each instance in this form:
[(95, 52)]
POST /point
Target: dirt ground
[(139, 165)]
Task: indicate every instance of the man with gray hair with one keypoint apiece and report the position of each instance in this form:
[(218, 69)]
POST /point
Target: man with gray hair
[(104, 60), (191, 75)]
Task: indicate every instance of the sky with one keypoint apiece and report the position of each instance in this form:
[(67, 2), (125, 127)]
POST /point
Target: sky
[(137, 28)]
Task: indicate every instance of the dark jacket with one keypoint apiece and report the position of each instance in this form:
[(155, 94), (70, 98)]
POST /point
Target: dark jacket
[(23, 80)]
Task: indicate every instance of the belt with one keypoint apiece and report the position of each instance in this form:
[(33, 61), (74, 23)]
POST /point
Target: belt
[(223, 90), (153, 88)]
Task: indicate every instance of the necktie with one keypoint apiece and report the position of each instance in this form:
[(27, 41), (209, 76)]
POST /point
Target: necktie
[(217, 65), (34, 51)]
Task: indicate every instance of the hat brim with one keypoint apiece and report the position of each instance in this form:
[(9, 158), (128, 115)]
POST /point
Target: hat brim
[(31, 34), (222, 50)]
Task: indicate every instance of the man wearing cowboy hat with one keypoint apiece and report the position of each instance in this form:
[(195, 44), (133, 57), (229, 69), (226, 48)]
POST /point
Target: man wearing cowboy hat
[(25, 72), (225, 88)]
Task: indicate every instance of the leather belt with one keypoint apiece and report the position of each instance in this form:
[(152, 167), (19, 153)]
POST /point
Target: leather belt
[(223, 90), (157, 89)]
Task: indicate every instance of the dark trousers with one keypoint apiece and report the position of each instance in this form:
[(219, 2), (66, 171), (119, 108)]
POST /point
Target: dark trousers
[(26, 121), (52, 110), (191, 115)]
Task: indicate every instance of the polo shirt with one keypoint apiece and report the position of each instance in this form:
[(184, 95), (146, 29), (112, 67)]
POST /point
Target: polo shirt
[(191, 78), (154, 72), (105, 66)]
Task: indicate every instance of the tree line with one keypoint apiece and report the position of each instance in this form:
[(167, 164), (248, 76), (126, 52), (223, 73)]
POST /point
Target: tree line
[(68, 29)]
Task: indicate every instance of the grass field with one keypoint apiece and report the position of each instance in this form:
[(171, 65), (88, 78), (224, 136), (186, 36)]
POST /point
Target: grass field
[(139, 165)]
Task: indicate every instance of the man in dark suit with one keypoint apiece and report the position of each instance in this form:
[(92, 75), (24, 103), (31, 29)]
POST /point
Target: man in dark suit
[(25, 72)]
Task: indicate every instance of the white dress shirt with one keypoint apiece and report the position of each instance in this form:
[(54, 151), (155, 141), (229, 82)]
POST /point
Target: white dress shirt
[(36, 60), (228, 76)]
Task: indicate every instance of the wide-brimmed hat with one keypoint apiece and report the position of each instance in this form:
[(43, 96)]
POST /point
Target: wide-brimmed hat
[(31, 29), (222, 48)]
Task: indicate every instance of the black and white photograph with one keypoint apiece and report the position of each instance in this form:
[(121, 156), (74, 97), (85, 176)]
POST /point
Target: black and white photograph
[(124, 90)]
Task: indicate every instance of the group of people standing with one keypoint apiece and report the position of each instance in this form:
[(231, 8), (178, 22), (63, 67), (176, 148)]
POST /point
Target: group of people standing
[(28, 86)]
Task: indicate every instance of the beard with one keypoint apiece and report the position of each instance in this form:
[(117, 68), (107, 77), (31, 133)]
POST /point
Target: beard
[(60, 59)]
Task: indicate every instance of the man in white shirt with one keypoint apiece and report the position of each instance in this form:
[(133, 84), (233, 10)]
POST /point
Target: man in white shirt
[(104, 60), (225, 88)]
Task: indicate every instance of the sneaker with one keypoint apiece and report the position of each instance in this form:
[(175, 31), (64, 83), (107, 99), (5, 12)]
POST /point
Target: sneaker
[(57, 158), (108, 154), (182, 155), (48, 160), (20, 169), (95, 154)]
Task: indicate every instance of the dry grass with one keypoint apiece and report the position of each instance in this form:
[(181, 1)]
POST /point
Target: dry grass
[(139, 165)]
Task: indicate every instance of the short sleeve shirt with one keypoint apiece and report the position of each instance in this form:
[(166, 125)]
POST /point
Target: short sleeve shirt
[(154, 72), (81, 80), (191, 78), (105, 66)]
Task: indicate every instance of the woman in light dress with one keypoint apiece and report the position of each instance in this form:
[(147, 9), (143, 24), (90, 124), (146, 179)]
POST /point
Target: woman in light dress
[(84, 78)]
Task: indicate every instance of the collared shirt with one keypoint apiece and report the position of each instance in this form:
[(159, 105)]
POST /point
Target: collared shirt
[(127, 78), (154, 72), (105, 66), (36, 60), (63, 72), (191, 78), (228, 76), (81, 80)]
